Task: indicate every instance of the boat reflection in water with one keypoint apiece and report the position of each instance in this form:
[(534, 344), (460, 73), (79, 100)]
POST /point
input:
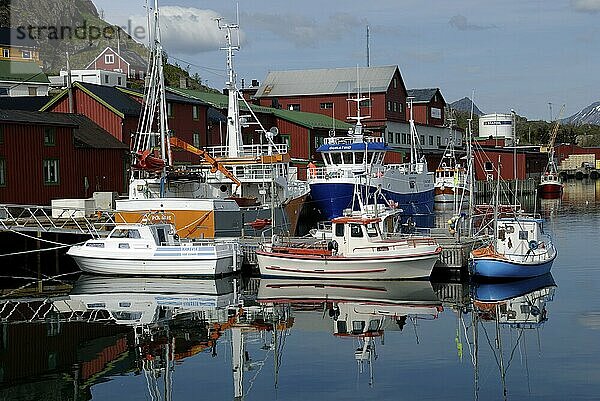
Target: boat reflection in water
[(517, 307), (360, 310)]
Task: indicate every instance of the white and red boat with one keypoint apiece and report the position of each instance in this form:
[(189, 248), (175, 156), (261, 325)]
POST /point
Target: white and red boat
[(550, 185), (357, 250)]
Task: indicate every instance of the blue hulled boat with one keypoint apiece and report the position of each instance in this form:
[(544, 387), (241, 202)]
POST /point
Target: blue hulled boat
[(358, 160)]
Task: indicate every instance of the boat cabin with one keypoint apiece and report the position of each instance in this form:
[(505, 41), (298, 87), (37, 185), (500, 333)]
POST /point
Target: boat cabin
[(156, 234), (352, 232), (352, 153), (520, 236)]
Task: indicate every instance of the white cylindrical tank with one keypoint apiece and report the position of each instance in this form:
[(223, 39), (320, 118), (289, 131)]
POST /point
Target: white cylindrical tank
[(496, 126)]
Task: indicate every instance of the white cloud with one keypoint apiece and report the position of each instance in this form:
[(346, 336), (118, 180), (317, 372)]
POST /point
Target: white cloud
[(589, 6), (188, 30), (461, 23)]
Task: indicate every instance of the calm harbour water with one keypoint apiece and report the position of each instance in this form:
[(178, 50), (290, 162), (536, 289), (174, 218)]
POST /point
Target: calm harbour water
[(294, 340)]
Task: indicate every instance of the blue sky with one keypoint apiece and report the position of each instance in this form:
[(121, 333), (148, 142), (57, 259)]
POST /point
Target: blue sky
[(517, 55)]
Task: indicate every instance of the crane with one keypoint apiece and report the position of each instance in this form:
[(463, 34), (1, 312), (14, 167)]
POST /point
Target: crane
[(554, 131)]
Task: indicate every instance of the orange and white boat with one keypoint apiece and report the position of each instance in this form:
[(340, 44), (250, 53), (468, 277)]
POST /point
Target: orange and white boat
[(357, 250)]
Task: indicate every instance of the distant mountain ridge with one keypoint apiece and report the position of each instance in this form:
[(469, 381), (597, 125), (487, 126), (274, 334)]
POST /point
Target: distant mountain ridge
[(464, 105), (588, 115)]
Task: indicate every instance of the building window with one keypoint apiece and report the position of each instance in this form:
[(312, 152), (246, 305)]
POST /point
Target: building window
[(422, 139), (489, 166), (294, 106), (195, 112), (398, 137), (51, 171), (439, 141), (6, 53), (287, 140), (430, 140), (2, 172), (109, 58), (400, 107), (119, 81), (26, 54), (389, 106), (3, 91), (196, 139), (328, 105), (395, 82), (390, 137), (106, 79), (49, 136), (365, 103), (319, 140), (132, 73), (395, 106), (170, 110), (404, 139), (32, 90)]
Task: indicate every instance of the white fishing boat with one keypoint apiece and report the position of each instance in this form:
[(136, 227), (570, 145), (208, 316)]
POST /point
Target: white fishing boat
[(450, 178), (550, 185), (256, 176), (156, 249), (357, 250)]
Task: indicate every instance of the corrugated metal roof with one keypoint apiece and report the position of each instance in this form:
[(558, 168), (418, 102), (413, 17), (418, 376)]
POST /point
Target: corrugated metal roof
[(27, 103), (326, 81)]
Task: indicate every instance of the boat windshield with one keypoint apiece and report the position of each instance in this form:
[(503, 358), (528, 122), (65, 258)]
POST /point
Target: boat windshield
[(125, 233), (372, 230)]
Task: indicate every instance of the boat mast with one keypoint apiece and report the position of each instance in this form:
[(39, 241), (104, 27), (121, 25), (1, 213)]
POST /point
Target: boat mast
[(497, 199), (234, 129), (470, 166)]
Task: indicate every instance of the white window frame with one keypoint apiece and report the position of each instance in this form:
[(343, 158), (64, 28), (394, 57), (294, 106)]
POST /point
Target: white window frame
[(51, 171), (109, 58), (4, 88), (196, 139), (6, 53), (26, 54), (195, 112)]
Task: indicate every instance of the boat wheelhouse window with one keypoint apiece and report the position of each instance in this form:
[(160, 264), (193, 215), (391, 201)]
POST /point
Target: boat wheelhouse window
[(372, 230), (359, 157), (339, 230), (501, 235), (347, 157), (356, 231), (358, 326), (523, 235), (127, 315), (341, 327), (125, 233), (327, 158), (373, 325), (124, 246), (160, 233), (336, 158), (369, 157)]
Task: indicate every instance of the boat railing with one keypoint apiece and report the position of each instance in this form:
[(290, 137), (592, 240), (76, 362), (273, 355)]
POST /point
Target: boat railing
[(248, 150), (253, 172), (348, 140), (408, 242), (408, 167), (327, 173), (300, 242)]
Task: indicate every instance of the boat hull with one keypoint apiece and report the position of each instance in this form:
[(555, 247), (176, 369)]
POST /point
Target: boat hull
[(333, 197), (446, 194), (550, 188), (212, 263), (361, 268), (503, 269), (494, 292)]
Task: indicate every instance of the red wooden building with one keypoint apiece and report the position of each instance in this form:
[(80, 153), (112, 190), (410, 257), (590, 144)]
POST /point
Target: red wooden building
[(128, 62), (325, 91), (564, 150), (117, 110), (428, 106), (45, 156), (530, 162)]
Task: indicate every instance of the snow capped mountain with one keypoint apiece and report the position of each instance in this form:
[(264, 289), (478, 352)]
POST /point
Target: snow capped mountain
[(589, 115), (464, 105)]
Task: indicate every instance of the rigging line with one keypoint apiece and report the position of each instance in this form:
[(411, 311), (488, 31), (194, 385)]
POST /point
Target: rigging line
[(39, 250), (42, 280), (36, 238), (491, 346)]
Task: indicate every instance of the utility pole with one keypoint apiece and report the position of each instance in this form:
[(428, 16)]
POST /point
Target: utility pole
[(368, 48), (550, 105)]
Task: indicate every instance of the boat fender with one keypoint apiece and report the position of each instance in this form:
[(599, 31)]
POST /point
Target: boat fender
[(533, 245), (332, 245)]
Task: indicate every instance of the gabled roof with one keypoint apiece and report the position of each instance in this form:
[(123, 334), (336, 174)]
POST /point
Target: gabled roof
[(22, 71), (128, 56), (308, 120), (327, 81), (109, 96), (424, 95), (26, 103), (85, 132), (15, 38)]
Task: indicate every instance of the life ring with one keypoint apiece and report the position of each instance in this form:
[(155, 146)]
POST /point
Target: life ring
[(533, 245)]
